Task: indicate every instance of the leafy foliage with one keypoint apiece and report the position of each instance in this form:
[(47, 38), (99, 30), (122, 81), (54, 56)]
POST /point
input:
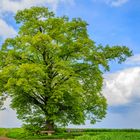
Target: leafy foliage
[(52, 69)]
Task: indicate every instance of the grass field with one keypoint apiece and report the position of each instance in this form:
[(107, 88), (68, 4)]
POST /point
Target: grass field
[(75, 134), (112, 136)]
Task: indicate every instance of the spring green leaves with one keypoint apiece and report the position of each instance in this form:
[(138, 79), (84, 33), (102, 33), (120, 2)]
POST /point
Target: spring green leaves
[(51, 69)]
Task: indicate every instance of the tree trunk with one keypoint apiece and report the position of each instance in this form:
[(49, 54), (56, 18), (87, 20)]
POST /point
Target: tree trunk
[(49, 125)]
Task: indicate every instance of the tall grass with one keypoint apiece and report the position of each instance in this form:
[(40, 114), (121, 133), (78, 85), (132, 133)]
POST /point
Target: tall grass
[(111, 136), (77, 134)]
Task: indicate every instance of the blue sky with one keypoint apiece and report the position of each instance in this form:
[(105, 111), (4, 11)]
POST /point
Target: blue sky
[(113, 22)]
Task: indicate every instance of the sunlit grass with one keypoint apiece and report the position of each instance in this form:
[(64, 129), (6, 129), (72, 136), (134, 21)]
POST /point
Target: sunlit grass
[(77, 134)]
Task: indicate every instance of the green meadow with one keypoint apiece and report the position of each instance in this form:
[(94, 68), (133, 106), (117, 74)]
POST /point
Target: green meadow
[(74, 134)]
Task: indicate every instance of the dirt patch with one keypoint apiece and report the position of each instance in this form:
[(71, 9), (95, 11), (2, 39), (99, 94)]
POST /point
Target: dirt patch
[(4, 138)]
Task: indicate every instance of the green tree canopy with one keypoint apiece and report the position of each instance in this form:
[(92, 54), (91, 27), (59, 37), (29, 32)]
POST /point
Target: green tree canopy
[(53, 71)]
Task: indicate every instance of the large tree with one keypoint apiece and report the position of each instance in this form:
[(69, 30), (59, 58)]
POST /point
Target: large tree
[(53, 71)]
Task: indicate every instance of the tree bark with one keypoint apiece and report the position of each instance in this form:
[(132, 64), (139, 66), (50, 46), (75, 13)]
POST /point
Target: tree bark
[(49, 126)]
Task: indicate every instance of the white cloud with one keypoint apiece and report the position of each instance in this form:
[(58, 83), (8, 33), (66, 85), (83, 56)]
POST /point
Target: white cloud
[(8, 117), (123, 87), (115, 3), (6, 30), (134, 60), (14, 5)]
